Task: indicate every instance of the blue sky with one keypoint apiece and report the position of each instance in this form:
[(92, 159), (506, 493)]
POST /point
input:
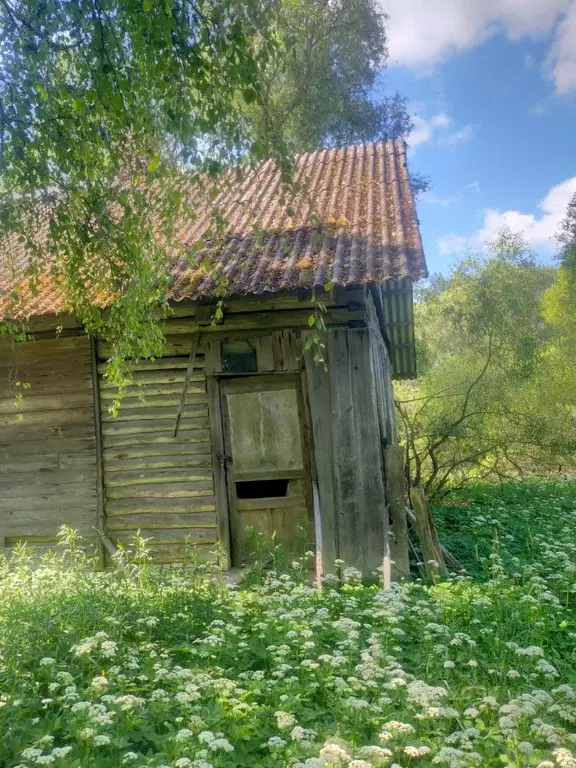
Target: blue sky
[(492, 86)]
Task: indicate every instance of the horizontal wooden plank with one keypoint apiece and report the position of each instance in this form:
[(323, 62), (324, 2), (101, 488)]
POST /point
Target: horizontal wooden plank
[(167, 536), (164, 520), (33, 400), (23, 431), (45, 346), (159, 476), (65, 505), (152, 464), (185, 436), (246, 321), (174, 554), (143, 426), (182, 490), (77, 460), (47, 445), (144, 378), (174, 346), (162, 401), (181, 506), (28, 464), (154, 390), (246, 505), (169, 451), (56, 418), (50, 322), (159, 364), (149, 413), (40, 527), (44, 490), (39, 477)]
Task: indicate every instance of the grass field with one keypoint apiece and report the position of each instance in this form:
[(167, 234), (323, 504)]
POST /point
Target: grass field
[(141, 667)]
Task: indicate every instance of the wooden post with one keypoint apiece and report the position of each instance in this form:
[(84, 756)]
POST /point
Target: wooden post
[(318, 532), (100, 502), (434, 563), (396, 504)]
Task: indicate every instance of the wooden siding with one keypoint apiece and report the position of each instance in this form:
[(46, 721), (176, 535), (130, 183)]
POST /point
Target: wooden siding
[(47, 442), (156, 483), (346, 411)]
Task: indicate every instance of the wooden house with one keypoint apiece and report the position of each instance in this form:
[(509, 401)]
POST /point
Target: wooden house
[(236, 430)]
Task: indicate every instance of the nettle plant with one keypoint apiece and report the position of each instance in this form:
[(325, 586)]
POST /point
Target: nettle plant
[(170, 668)]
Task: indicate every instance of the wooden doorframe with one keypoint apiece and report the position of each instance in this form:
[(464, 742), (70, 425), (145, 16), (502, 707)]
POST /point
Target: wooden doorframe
[(218, 388)]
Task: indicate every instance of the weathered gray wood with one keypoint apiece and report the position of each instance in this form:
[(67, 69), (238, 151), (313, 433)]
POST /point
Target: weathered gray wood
[(287, 350), (372, 518), (166, 520), (194, 408), (159, 364), (264, 354), (319, 399), (148, 442), (163, 535), (143, 426), (219, 469), (189, 373), (47, 444), (344, 446), (434, 564), (395, 492), (100, 498), (160, 490), (159, 476), (138, 506)]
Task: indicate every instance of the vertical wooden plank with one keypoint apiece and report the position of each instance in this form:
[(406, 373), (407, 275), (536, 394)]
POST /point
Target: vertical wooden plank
[(213, 358), (371, 519), (345, 447), (319, 401), (396, 503), (219, 469), (287, 350), (100, 499), (264, 354)]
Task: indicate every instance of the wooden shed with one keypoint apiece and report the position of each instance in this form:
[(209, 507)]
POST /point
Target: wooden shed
[(236, 431)]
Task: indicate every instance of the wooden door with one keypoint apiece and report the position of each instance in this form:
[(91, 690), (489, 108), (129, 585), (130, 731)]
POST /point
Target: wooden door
[(266, 461)]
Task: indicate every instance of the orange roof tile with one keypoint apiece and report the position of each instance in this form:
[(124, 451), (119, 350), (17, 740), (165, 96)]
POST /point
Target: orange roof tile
[(354, 221)]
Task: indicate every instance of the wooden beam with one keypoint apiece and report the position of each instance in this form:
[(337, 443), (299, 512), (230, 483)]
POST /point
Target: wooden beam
[(100, 498), (189, 371), (434, 563)]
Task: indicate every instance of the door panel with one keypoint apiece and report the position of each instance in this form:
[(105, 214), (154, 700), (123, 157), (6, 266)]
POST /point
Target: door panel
[(268, 485)]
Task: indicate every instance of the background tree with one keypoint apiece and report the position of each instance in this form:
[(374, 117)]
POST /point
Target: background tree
[(317, 85), (484, 405)]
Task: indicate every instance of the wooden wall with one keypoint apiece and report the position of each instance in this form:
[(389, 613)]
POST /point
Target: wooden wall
[(47, 443), (359, 465), (171, 487), (154, 482)]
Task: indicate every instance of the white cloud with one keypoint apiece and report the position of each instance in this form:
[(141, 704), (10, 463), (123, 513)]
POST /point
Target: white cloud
[(473, 185), (426, 130), (561, 60), (463, 134), (452, 244), (539, 229), (433, 199), (424, 32)]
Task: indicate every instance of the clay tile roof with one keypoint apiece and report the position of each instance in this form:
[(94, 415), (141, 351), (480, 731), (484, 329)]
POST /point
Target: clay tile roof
[(353, 221)]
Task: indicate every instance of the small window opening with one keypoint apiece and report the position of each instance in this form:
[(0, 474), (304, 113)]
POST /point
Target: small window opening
[(261, 489), (239, 357)]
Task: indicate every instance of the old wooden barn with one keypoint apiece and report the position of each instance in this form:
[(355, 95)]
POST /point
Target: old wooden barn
[(236, 430)]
